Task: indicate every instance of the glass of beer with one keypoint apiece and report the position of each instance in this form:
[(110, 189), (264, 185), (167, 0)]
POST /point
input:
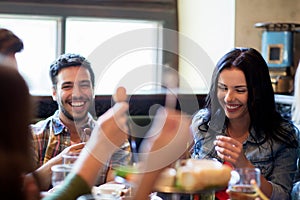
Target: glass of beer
[(240, 186)]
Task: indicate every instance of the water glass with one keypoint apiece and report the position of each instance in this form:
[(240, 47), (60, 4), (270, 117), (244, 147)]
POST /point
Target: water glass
[(240, 186), (70, 158), (59, 173)]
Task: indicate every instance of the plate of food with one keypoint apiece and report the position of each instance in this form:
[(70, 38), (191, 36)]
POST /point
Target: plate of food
[(194, 176)]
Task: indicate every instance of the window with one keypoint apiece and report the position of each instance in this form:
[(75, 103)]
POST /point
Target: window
[(85, 36), (51, 29), (115, 53), (40, 48)]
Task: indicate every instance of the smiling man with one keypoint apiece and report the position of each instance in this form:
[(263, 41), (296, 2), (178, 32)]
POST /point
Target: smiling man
[(70, 126)]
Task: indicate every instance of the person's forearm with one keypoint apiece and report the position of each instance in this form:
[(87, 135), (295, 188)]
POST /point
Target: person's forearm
[(145, 185), (87, 166), (73, 187), (44, 173)]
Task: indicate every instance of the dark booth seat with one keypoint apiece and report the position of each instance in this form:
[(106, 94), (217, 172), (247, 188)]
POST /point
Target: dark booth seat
[(142, 108)]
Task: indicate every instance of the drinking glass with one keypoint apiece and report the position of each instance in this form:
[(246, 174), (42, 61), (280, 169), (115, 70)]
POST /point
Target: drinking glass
[(240, 186), (70, 158), (59, 173)]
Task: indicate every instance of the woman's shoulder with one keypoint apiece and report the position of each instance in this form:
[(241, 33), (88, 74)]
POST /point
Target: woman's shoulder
[(297, 130), (289, 125), (201, 116), (297, 125), (290, 131)]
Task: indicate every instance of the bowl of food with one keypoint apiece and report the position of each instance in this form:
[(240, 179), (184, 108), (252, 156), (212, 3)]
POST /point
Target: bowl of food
[(194, 176)]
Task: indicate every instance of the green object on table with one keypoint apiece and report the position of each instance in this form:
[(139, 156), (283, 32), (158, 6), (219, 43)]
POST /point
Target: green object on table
[(126, 171)]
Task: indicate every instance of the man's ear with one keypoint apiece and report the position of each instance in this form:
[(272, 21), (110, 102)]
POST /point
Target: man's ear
[(54, 94)]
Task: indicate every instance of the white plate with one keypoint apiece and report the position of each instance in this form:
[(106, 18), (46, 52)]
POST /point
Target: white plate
[(108, 188)]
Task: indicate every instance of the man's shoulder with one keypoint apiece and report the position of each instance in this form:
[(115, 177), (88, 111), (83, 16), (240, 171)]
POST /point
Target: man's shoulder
[(42, 125)]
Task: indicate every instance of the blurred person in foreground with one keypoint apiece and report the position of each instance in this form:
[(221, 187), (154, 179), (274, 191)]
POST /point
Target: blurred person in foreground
[(16, 155), (241, 127), (67, 130), (10, 44)]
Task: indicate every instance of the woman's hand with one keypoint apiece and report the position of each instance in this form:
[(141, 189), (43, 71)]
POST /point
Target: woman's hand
[(231, 150)]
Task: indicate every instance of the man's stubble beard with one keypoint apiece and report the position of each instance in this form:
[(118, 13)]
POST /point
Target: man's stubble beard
[(71, 117)]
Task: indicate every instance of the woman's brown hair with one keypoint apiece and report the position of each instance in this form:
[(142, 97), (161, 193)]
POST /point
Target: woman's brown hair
[(15, 117)]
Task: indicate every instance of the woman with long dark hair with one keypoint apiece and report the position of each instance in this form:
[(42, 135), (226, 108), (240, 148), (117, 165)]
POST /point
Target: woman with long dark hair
[(240, 126)]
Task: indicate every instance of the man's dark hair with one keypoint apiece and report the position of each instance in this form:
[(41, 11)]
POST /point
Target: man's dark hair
[(69, 60), (9, 42)]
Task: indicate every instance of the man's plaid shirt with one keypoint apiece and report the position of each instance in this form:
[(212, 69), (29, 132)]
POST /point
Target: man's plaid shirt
[(51, 137)]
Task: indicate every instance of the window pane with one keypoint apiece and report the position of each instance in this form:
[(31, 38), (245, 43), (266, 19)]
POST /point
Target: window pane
[(114, 59), (39, 35), (40, 49)]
